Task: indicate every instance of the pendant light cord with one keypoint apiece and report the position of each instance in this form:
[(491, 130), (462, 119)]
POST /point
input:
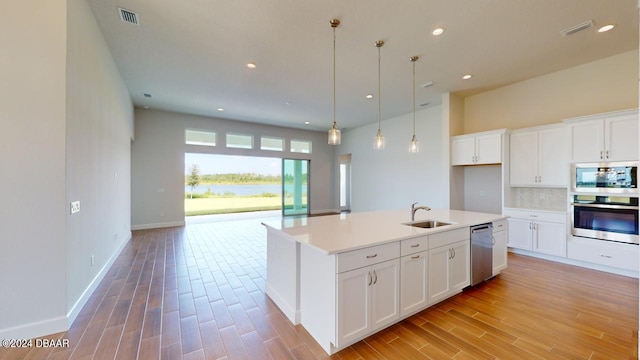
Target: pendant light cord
[(379, 100), (414, 98), (334, 76)]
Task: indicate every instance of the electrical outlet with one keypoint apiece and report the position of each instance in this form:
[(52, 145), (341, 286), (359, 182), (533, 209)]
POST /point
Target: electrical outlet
[(92, 260), (75, 207)]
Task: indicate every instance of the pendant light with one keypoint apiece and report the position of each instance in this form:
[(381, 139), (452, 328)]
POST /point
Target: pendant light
[(378, 141), (414, 146), (334, 132)]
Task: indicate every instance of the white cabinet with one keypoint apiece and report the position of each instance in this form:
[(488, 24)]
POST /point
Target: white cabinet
[(499, 246), (608, 253), (543, 232), (413, 282), (477, 148), (449, 270), (538, 157), (367, 297), (604, 137)]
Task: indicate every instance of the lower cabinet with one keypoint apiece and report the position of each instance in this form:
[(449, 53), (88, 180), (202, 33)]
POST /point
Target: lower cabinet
[(413, 282), (499, 246), (368, 299), (608, 253), (449, 270), (543, 232)]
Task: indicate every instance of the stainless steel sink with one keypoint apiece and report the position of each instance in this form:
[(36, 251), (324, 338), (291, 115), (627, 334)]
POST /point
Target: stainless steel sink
[(427, 224)]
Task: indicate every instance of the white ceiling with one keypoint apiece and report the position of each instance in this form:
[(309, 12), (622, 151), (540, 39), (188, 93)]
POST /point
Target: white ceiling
[(191, 55)]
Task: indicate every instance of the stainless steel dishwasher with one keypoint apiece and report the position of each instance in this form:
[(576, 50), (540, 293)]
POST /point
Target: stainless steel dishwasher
[(481, 253)]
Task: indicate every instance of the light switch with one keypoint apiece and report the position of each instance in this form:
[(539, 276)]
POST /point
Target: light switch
[(75, 207)]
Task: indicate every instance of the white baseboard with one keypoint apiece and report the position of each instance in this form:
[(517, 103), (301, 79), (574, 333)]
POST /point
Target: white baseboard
[(292, 314), (72, 314), (588, 265), (157, 225), (35, 329), (325, 211)]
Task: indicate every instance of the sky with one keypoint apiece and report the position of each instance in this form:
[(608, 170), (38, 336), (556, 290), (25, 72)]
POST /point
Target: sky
[(224, 164)]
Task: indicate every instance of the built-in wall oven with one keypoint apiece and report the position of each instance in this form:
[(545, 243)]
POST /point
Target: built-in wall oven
[(604, 201)]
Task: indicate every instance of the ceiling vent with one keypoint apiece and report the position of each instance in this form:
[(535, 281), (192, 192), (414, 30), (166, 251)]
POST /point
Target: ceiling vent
[(574, 29), (128, 16)]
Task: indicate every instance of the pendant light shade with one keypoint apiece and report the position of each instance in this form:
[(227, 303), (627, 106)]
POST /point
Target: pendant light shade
[(414, 145), (334, 132), (378, 141)]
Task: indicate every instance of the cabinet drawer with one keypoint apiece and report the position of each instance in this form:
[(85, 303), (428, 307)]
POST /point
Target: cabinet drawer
[(551, 216), (412, 246), (368, 256), (618, 255), (500, 225), (448, 237)]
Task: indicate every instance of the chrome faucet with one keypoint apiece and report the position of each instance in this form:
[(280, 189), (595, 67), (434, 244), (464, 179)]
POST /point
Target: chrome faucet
[(415, 208)]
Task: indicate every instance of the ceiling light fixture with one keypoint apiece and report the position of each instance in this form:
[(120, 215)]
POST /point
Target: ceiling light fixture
[(251, 65), (334, 132), (369, 96), (606, 28), (220, 109), (378, 141), (414, 145), (438, 31), (307, 123), (467, 77)]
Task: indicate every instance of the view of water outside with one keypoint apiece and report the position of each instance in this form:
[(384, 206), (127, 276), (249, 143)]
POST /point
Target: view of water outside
[(220, 184)]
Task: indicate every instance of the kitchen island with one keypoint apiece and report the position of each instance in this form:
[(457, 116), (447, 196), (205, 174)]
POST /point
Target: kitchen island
[(345, 277)]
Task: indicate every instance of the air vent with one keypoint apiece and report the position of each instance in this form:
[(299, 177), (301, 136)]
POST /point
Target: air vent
[(574, 29), (128, 16)]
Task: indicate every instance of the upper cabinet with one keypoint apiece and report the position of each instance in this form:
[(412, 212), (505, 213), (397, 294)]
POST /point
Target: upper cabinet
[(538, 157), (604, 137), (477, 149)]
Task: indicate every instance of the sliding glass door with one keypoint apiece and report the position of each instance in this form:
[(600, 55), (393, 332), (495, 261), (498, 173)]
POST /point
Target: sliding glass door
[(295, 187)]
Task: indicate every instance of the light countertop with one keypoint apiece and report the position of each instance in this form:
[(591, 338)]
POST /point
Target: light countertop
[(333, 234)]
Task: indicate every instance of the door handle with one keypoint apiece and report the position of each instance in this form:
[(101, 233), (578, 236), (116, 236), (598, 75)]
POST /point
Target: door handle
[(369, 274), (376, 277), (493, 240)]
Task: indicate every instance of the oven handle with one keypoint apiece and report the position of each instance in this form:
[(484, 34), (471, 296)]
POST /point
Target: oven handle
[(606, 206)]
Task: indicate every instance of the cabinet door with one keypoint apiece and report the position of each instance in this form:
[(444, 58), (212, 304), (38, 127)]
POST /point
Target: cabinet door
[(550, 238), (459, 266), (519, 233), (385, 293), (438, 283), (489, 149), (463, 150), (587, 141), (499, 251), (524, 158), (354, 304), (552, 157), (413, 282), (621, 138)]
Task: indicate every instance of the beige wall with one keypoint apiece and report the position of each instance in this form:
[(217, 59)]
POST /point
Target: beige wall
[(600, 86), (32, 163)]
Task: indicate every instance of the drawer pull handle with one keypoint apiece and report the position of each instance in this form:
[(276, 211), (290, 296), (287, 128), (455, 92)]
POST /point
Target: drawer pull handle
[(606, 256), (415, 245), (371, 256), (415, 257)]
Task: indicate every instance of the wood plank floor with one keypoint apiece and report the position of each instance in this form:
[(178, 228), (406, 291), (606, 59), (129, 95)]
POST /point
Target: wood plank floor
[(197, 292)]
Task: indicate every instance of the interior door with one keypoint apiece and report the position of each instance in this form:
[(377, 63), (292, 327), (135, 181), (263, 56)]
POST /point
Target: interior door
[(295, 187)]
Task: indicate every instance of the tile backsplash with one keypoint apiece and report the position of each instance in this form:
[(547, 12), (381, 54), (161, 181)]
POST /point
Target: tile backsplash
[(538, 198)]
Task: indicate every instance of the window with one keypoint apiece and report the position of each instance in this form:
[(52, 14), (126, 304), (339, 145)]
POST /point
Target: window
[(200, 137), (239, 141), (301, 146), (270, 143)]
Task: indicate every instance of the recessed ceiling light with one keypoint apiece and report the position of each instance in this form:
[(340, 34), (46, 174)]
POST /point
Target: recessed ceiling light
[(251, 65), (606, 28), (467, 77), (220, 109), (288, 103), (369, 96), (438, 31), (307, 123)]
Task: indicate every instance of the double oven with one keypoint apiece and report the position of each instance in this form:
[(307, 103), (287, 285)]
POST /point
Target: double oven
[(604, 201)]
